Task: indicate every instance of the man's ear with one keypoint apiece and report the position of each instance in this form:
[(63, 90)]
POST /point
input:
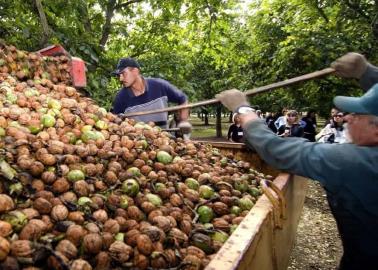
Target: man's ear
[(136, 71)]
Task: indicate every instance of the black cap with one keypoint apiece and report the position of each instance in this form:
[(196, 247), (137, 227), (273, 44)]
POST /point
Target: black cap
[(124, 63)]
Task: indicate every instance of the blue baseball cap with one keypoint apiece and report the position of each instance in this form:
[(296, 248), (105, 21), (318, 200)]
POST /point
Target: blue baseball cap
[(124, 63), (367, 104)]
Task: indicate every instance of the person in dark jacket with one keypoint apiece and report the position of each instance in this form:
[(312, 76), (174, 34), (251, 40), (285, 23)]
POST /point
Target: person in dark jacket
[(348, 172), (291, 128), (309, 129), (334, 112), (147, 94), (235, 132)]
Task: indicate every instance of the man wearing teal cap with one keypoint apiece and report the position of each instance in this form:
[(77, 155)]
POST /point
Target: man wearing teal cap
[(348, 172)]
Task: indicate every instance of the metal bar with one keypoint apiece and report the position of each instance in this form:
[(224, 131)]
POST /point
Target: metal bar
[(306, 77)]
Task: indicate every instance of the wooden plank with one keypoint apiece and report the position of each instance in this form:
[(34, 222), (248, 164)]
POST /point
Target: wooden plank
[(224, 145)]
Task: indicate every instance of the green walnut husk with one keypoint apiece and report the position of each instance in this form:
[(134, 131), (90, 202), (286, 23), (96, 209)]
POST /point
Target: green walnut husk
[(100, 124), (141, 144), (133, 172), (130, 187), (206, 192), (192, 183), (6, 170), (236, 210), (86, 128), (75, 175), (254, 191), (206, 214), (241, 185), (71, 137), (101, 112), (48, 120), (16, 218), (245, 203), (154, 199), (124, 202), (202, 241), (177, 159), (88, 135), (119, 237), (164, 157), (2, 132), (160, 187), (35, 129), (233, 228), (54, 104), (224, 162), (219, 236), (16, 188)]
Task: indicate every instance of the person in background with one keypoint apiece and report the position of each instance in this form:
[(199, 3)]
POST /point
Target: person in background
[(335, 132), (348, 172), (291, 128), (270, 119), (309, 128), (281, 120), (259, 114), (235, 132), (334, 112), (147, 94)]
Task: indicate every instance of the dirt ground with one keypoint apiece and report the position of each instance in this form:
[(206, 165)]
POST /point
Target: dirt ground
[(317, 244)]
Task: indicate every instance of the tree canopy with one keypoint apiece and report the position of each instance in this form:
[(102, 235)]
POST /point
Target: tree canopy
[(204, 46)]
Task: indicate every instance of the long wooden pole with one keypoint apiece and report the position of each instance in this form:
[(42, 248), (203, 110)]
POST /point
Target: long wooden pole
[(269, 87)]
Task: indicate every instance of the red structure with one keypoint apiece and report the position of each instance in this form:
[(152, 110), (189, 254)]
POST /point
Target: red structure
[(77, 65)]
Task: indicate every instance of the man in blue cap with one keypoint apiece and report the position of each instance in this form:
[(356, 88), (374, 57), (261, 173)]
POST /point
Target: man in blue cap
[(147, 94), (348, 172)]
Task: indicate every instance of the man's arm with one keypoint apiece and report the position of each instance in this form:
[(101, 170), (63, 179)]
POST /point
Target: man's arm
[(184, 113), (369, 78), (117, 106), (176, 96), (322, 162), (295, 155), (355, 65)]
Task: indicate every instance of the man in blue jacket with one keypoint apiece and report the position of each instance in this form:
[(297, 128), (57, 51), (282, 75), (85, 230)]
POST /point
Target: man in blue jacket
[(147, 94), (348, 172)]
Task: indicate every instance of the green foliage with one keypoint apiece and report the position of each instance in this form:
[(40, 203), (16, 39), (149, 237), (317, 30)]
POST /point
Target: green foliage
[(205, 46)]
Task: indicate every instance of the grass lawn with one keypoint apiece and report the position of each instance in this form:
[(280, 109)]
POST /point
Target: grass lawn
[(202, 131)]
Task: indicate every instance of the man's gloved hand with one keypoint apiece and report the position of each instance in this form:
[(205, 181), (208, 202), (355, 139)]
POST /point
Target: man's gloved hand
[(185, 127), (350, 65), (232, 99)]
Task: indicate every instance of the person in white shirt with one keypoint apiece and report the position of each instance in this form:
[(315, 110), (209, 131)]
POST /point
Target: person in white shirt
[(334, 132)]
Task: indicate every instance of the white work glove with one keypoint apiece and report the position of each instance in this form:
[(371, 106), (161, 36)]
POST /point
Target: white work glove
[(350, 65), (232, 99)]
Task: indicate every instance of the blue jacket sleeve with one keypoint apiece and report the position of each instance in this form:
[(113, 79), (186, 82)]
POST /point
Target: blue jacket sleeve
[(174, 95), (118, 104), (369, 78), (317, 161)]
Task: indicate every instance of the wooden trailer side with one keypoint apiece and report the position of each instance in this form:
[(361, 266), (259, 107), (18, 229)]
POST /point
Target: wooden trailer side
[(257, 243)]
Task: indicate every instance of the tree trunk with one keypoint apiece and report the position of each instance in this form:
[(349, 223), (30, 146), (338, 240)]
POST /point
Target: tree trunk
[(45, 25), (108, 21), (230, 117), (110, 8), (219, 121), (206, 118)]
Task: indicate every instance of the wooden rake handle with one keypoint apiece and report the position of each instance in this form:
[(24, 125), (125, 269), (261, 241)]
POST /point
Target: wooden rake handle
[(269, 87)]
